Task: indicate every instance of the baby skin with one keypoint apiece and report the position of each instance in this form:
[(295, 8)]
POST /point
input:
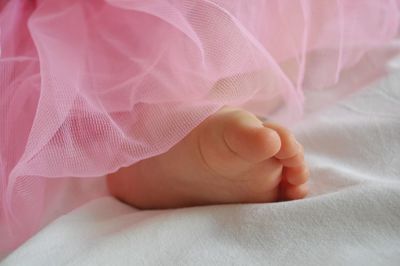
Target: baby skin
[(231, 157)]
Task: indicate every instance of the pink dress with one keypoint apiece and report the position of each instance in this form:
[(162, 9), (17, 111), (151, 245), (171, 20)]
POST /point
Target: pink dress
[(87, 87)]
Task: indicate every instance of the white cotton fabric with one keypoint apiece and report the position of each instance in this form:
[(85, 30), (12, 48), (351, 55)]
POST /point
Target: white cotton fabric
[(352, 216)]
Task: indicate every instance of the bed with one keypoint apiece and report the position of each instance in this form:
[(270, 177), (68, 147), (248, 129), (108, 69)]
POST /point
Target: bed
[(351, 217)]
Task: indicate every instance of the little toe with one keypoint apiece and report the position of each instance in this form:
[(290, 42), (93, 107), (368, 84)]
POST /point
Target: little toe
[(289, 145), (296, 175), (291, 192)]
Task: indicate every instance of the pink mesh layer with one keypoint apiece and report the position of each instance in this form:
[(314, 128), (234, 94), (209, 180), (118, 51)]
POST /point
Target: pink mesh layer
[(87, 87)]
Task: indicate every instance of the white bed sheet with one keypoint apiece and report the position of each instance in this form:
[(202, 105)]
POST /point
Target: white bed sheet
[(352, 216)]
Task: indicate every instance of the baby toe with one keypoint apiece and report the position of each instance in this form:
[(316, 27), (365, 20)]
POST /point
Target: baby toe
[(291, 192), (296, 175)]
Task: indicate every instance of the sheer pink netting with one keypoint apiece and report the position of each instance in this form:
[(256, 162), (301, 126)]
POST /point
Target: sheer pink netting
[(87, 87)]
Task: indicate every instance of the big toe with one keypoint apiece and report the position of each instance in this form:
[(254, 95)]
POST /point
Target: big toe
[(246, 136)]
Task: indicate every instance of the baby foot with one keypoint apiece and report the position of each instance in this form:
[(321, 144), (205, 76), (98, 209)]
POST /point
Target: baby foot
[(231, 157)]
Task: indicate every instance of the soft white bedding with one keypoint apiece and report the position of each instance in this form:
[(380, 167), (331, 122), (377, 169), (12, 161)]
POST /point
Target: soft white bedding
[(352, 216)]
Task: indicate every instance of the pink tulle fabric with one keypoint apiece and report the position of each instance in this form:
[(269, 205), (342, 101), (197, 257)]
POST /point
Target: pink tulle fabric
[(87, 87)]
